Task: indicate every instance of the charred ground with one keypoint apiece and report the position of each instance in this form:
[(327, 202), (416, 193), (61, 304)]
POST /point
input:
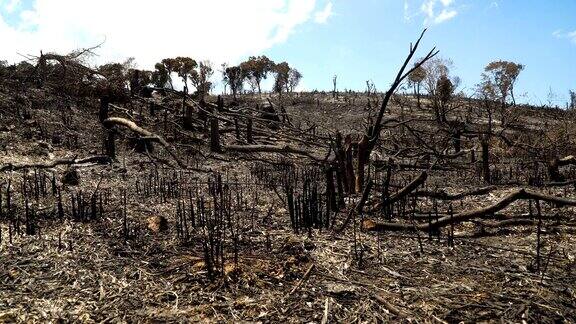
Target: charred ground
[(265, 208)]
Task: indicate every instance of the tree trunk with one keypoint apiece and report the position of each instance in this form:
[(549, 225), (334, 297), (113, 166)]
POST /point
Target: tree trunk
[(418, 95), (341, 161), (237, 128), (188, 118), (456, 140), (249, 131), (214, 136), (485, 158), (340, 182), (109, 144), (349, 165), (331, 190), (104, 108), (362, 161)]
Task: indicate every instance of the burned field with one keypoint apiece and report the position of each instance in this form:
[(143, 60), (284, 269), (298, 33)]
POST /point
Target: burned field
[(290, 207)]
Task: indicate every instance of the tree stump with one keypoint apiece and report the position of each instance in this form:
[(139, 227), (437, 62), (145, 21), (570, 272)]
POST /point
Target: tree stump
[(214, 136)]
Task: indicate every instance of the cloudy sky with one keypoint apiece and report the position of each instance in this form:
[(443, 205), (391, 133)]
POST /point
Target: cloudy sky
[(358, 40)]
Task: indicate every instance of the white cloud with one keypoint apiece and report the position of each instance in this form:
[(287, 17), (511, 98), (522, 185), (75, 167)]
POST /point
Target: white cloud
[(435, 11), (321, 17), (11, 5), (219, 30), (445, 15), (560, 34)]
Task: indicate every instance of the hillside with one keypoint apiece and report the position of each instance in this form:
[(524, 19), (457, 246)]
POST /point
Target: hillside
[(164, 206)]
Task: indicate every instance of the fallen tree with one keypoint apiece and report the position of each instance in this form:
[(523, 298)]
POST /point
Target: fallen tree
[(520, 194), (554, 167), (443, 195), (417, 182), (272, 149), (146, 134), (97, 159)]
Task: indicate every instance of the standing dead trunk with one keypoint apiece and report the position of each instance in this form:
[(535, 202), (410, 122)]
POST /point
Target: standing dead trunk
[(104, 108), (456, 140), (418, 95), (362, 161), (339, 182), (237, 128), (341, 161), (334, 80), (485, 158), (214, 136), (188, 118), (349, 165), (331, 190), (249, 131), (135, 83), (220, 103), (109, 144)]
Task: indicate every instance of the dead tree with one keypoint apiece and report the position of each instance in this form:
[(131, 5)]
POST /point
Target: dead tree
[(214, 136), (249, 131), (188, 123), (272, 149), (98, 159), (368, 142), (485, 145), (554, 167), (520, 194), (104, 108), (362, 160), (374, 130), (334, 80), (146, 134), (349, 165), (110, 143)]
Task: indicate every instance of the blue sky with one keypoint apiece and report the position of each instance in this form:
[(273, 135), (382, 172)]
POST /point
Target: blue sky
[(370, 41), (357, 40)]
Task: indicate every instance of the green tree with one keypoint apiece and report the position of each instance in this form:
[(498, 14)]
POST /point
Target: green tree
[(185, 68), (294, 77), (497, 85), (234, 77), (201, 78), (160, 75), (438, 74), (445, 90), (415, 79), (257, 69), (281, 75), (171, 65), (501, 77)]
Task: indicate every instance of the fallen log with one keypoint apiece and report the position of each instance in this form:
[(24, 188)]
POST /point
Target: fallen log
[(98, 159), (509, 222), (391, 308), (145, 133), (554, 167), (408, 188), (271, 149), (520, 194), (443, 195)]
